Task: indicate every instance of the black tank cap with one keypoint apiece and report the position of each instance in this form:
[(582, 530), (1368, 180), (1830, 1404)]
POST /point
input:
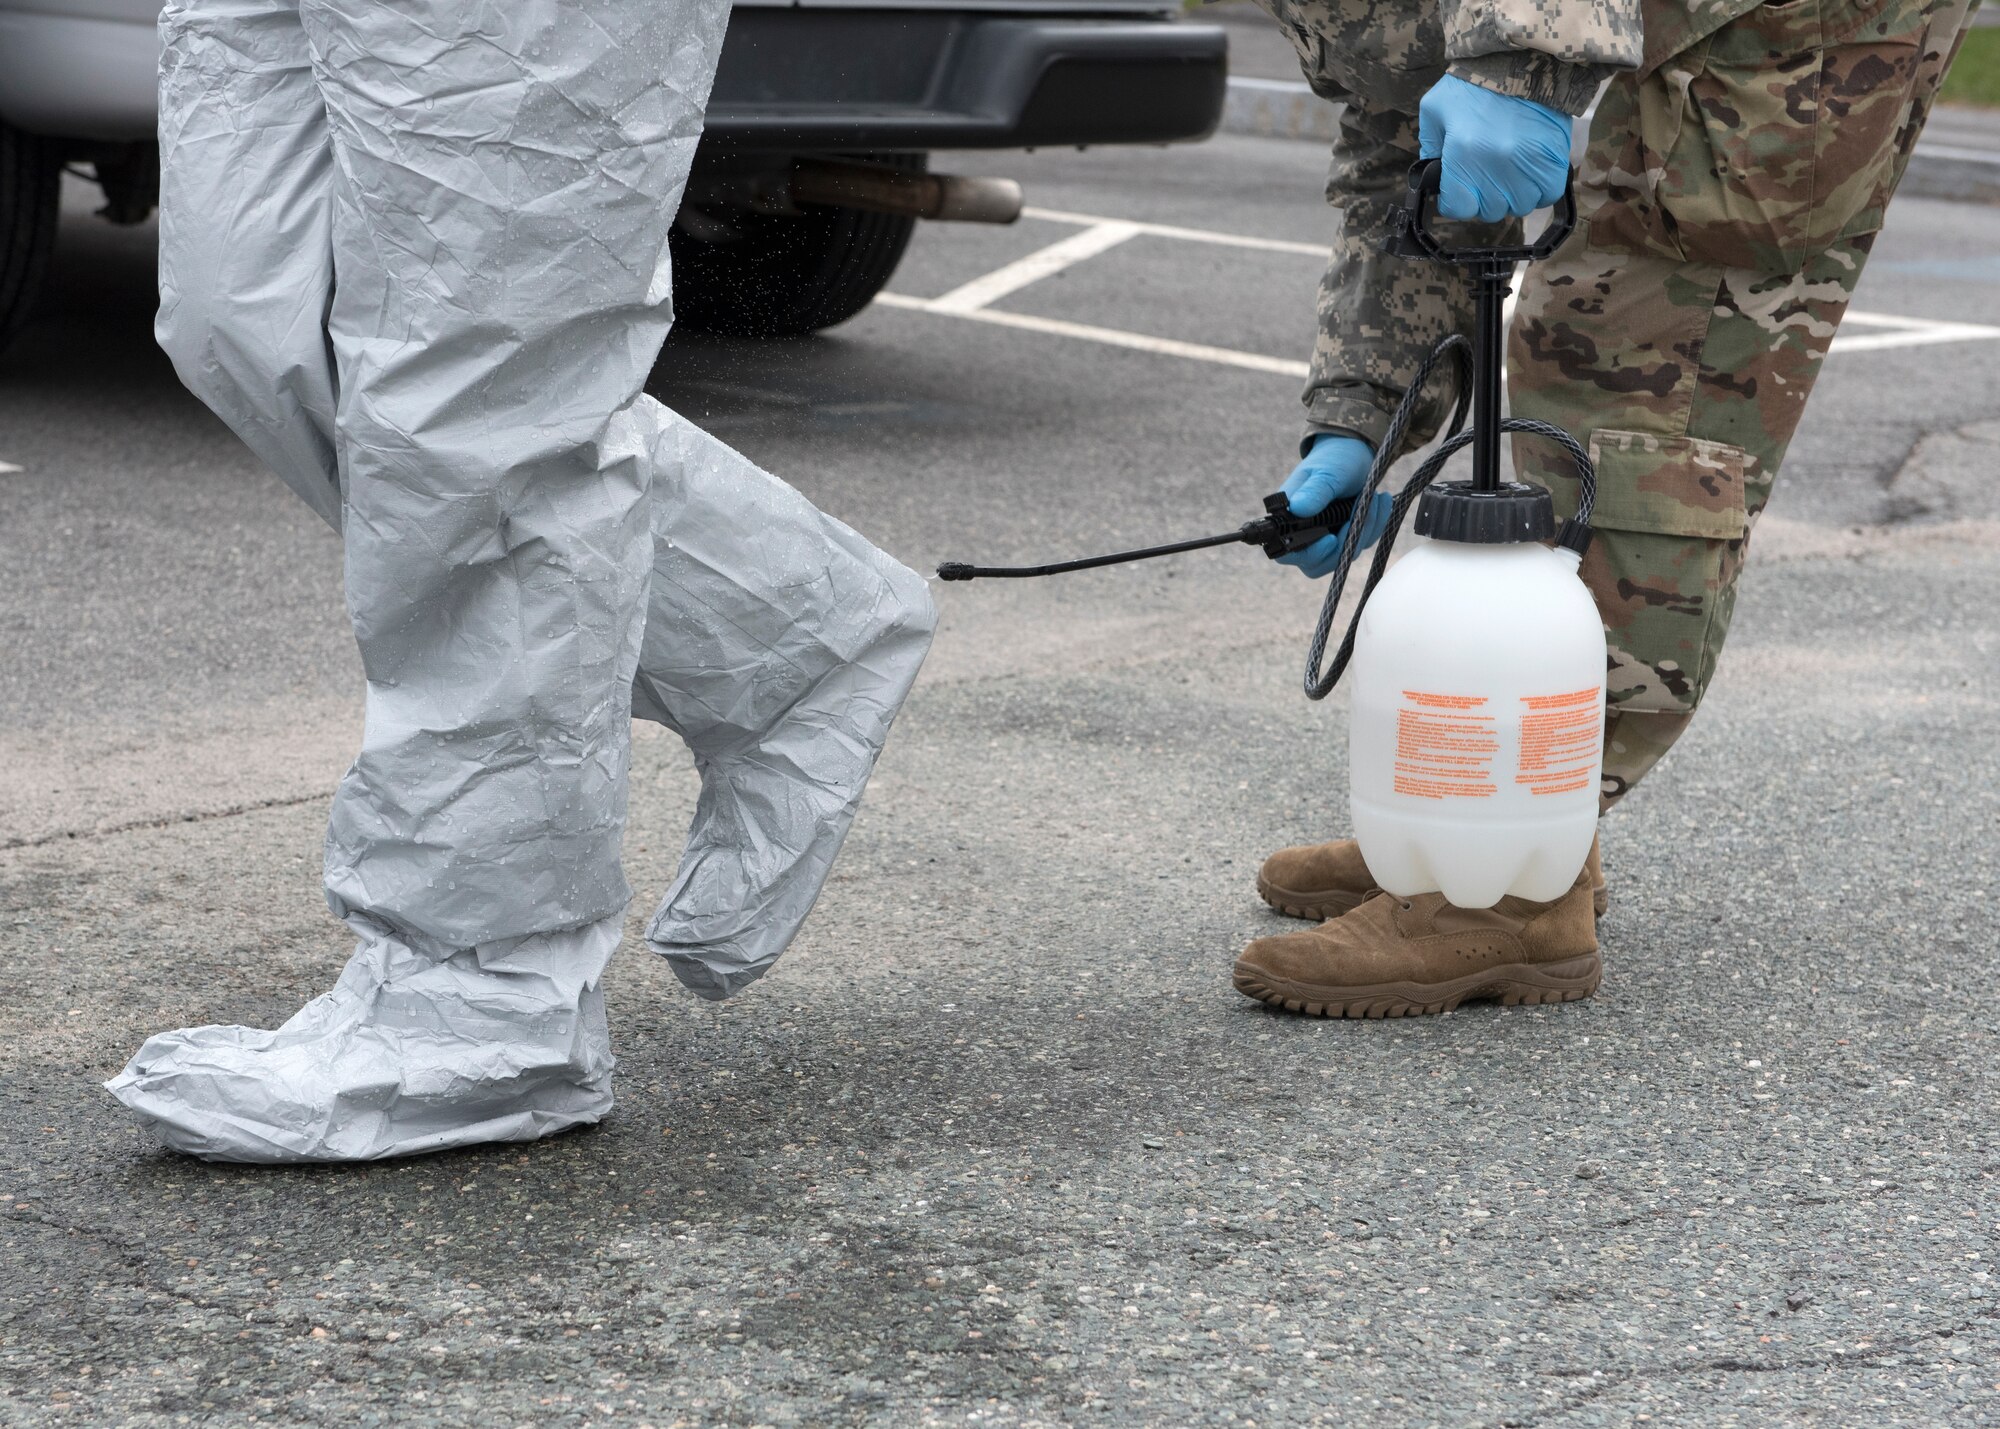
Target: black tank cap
[(1456, 511)]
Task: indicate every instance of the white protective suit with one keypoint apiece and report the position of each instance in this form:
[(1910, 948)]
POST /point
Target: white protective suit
[(415, 254)]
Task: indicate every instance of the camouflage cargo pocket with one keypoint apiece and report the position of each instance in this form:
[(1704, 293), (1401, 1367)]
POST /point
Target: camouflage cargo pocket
[(1792, 135), (1671, 525), (1763, 144)]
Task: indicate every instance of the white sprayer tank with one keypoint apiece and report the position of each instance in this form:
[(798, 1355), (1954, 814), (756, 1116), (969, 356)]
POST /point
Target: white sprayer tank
[(1477, 723)]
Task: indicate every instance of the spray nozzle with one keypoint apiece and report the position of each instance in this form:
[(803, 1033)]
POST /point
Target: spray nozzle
[(1280, 532)]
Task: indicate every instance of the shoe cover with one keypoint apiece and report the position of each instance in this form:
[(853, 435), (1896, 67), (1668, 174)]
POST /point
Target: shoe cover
[(408, 1054), (780, 645)]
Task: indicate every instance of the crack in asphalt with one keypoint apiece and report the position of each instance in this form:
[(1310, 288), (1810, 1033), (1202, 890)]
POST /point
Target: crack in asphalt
[(1732, 1364), (1940, 503), (199, 816), (1662, 1212)]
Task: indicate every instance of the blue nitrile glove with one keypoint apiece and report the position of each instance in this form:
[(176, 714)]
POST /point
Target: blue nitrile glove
[(1503, 157), (1336, 466)]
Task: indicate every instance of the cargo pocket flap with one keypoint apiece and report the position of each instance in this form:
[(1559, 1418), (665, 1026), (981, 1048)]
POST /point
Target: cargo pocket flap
[(1669, 486)]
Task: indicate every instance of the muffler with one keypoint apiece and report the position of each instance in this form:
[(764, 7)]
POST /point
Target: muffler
[(945, 197)]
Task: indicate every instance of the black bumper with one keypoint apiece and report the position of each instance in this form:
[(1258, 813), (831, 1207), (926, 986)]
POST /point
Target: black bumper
[(805, 79)]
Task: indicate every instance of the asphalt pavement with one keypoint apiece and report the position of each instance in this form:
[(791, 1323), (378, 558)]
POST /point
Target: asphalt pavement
[(997, 1143)]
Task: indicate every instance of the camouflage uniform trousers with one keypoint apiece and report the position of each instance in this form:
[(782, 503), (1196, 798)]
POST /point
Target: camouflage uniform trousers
[(1730, 196), (1730, 193)]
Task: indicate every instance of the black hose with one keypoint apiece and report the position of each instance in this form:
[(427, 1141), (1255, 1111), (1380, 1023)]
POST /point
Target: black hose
[(1318, 686), (961, 571)]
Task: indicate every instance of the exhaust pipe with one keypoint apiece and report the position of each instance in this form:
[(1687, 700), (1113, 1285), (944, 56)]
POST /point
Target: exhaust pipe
[(937, 196)]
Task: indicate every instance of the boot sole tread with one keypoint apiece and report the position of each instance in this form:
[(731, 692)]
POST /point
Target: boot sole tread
[(1299, 905), (1515, 985)]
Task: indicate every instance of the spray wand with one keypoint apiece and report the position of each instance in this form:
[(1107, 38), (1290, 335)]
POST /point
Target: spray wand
[(1278, 531), (1486, 509)]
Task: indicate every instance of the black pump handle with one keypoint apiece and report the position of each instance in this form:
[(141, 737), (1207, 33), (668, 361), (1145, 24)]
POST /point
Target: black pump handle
[(1414, 239)]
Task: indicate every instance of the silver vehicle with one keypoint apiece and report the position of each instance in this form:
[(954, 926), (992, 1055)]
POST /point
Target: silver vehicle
[(813, 167)]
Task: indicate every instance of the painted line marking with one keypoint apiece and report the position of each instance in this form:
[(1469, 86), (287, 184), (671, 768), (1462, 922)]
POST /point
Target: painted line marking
[(1907, 332), (1043, 263), (1957, 152), (1190, 235), (1282, 86), (1111, 337), (7, 468), (1100, 234)]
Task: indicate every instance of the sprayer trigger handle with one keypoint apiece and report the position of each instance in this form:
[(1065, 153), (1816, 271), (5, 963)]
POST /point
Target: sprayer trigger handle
[(1280, 532)]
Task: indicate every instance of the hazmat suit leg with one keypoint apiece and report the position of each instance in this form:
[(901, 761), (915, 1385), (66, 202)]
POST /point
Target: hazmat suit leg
[(246, 232), (493, 186)]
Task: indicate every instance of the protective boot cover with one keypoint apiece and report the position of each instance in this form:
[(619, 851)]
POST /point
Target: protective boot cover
[(410, 1052), (784, 688), (416, 256)]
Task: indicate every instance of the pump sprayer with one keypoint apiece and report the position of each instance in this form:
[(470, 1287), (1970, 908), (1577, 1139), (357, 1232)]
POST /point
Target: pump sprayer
[(1476, 723)]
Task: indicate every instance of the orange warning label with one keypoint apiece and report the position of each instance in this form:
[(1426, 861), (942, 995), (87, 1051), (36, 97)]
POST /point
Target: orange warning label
[(1444, 749), (1559, 739)]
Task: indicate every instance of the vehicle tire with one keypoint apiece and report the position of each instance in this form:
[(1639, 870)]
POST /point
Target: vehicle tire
[(785, 275), (30, 192)]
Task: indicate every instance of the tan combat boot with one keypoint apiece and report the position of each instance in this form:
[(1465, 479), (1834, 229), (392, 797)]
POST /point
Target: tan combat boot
[(1320, 881), (1397, 957)]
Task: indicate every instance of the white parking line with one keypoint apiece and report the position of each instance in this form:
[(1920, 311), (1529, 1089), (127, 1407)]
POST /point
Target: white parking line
[(1191, 235), (1042, 263), (1279, 86), (1110, 336), (1908, 332), (1100, 233), (7, 468), (1958, 152)]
